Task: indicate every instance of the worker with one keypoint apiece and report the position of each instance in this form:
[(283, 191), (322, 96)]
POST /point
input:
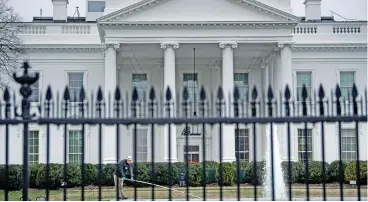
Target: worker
[(124, 172)]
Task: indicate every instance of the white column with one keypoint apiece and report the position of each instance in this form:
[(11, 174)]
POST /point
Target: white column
[(286, 65), (228, 131), (109, 132), (169, 82), (284, 77)]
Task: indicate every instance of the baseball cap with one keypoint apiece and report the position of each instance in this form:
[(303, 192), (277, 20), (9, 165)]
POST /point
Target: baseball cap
[(129, 158)]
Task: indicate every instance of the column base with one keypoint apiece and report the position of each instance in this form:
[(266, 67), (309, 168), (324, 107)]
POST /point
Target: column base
[(109, 161), (173, 160), (228, 159)]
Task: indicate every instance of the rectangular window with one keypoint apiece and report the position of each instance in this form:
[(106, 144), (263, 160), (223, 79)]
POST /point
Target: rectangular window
[(35, 96), (33, 146), (192, 130), (140, 82), (303, 78), (75, 84), (347, 80), (142, 145), (96, 6), (241, 81), (301, 145), (348, 144), (242, 138), (191, 154), (191, 83), (75, 146)]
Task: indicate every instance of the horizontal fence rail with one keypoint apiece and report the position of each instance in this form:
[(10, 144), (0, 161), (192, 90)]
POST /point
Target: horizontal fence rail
[(213, 109)]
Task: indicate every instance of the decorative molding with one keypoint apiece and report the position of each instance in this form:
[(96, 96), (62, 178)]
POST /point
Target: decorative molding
[(64, 49), (111, 45), (146, 4), (282, 45), (169, 45), (329, 47), (228, 45)]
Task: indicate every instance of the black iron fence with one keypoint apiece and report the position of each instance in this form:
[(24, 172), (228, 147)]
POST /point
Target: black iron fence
[(262, 108)]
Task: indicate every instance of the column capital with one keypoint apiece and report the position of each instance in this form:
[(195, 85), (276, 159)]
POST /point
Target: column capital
[(110, 45), (282, 45), (228, 45), (169, 45)]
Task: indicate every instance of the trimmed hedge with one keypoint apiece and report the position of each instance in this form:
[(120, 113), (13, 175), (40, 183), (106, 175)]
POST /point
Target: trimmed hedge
[(37, 174), (333, 171), (351, 174)]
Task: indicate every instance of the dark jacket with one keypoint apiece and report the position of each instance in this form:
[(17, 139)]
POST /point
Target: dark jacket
[(125, 170)]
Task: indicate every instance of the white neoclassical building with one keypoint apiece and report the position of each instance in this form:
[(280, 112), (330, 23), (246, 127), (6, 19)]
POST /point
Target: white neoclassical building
[(145, 43)]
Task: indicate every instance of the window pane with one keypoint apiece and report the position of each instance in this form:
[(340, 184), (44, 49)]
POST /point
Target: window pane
[(302, 146), (241, 81), (140, 82), (242, 138), (303, 78), (191, 83), (96, 6), (142, 145), (75, 81), (35, 96), (75, 146), (347, 80), (33, 146), (348, 144)]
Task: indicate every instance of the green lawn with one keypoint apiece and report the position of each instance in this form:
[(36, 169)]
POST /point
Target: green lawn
[(108, 193)]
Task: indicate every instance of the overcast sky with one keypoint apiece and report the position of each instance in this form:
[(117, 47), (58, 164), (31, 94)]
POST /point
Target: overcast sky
[(352, 9)]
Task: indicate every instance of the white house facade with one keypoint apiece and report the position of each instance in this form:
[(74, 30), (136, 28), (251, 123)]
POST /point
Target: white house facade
[(149, 43)]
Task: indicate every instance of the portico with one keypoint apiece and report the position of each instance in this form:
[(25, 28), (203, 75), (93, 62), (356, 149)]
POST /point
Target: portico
[(257, 48), (165, 65)]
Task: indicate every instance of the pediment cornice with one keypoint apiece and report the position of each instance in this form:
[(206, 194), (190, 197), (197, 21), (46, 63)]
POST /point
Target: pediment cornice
[(119, 15)]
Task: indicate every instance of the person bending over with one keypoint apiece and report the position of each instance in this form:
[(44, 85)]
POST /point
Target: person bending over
[(124, 172)]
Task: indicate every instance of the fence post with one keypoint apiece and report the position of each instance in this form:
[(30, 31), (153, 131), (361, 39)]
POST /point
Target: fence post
[(26, 80)]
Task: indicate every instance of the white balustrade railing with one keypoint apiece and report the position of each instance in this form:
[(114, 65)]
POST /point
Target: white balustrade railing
[(76, 29), (33, 29), (346, 29), (305, 29)]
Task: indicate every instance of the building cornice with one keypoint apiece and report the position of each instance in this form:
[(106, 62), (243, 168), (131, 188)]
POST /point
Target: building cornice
[(203, 24), (327, 47), (56, 47), (146, 4)]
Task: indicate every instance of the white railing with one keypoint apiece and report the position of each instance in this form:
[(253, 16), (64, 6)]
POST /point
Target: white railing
[(58, 29), (33, 29), (305, 29), (346, 29), (76, 29)]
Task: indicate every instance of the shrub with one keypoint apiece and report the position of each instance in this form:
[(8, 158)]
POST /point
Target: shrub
[(350, 172), (315, 172), (228, 174), (195, 175), (295, 171), (74, 175), (33, 171), (333, 171), (143, 174), (14, 177), (249, 173), (162, 173), (211, 175), (91, 174), (242, 164), (108, 172), (212, 164), (56, 176)]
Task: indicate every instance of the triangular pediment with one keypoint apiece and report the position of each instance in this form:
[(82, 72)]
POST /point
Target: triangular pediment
[(200, 11)]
